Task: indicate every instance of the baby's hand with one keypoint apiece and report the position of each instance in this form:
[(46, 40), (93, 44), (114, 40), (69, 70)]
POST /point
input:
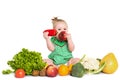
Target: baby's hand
[(68, 36), (45, 35)]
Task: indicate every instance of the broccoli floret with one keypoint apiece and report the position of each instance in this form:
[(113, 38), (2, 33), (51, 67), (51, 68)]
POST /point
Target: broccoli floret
[(78, 70)]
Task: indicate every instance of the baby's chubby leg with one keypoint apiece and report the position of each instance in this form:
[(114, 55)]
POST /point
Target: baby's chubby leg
[(49, 62), (73, 61)]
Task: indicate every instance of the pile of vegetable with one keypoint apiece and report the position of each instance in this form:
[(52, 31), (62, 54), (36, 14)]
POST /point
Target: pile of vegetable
[(31, 63), (87, 65), (26, 60)]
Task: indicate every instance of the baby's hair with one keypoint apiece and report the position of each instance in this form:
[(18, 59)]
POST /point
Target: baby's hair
[(55, 20)]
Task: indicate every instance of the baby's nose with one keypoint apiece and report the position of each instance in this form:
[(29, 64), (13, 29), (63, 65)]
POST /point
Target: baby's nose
[(64, 31)]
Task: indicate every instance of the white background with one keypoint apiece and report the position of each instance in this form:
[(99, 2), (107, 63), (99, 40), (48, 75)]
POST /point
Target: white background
[(93, 24)]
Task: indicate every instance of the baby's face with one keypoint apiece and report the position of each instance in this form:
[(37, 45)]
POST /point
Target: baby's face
[(60, 26)]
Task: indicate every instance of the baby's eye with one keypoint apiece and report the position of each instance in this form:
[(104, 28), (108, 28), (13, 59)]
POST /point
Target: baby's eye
[(65, 29), (59, 29)]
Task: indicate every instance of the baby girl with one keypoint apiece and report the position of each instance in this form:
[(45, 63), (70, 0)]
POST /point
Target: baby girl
[(61, 51)]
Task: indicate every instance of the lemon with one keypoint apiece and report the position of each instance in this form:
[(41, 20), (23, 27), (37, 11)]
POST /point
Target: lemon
[(111, 63)]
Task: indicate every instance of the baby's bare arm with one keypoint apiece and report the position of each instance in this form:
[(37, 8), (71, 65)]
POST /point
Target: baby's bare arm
[(70, 43), (50, 45)]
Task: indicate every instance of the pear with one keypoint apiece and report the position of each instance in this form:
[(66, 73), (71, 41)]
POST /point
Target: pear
[(111, 63)]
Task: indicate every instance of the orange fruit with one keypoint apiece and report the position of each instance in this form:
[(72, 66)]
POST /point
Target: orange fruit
[(63, 70), (111, 63)]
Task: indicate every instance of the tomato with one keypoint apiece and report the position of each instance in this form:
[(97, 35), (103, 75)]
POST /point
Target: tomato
[(19, 73)]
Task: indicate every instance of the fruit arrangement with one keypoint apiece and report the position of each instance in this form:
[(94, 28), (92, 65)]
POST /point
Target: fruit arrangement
[(78, 68)]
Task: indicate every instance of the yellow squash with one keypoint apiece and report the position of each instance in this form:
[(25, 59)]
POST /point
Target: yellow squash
[(111, 63)]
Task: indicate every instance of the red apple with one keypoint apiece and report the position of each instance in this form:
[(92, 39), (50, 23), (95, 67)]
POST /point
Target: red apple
[(62, 36), (51, 71)]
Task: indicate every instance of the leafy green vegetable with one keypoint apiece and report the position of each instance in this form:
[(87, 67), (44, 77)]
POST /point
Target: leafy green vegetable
[(78, 70), (27, 60), (8, 71)]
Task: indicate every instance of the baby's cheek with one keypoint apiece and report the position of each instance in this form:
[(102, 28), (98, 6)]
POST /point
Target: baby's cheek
[(58, 31)]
